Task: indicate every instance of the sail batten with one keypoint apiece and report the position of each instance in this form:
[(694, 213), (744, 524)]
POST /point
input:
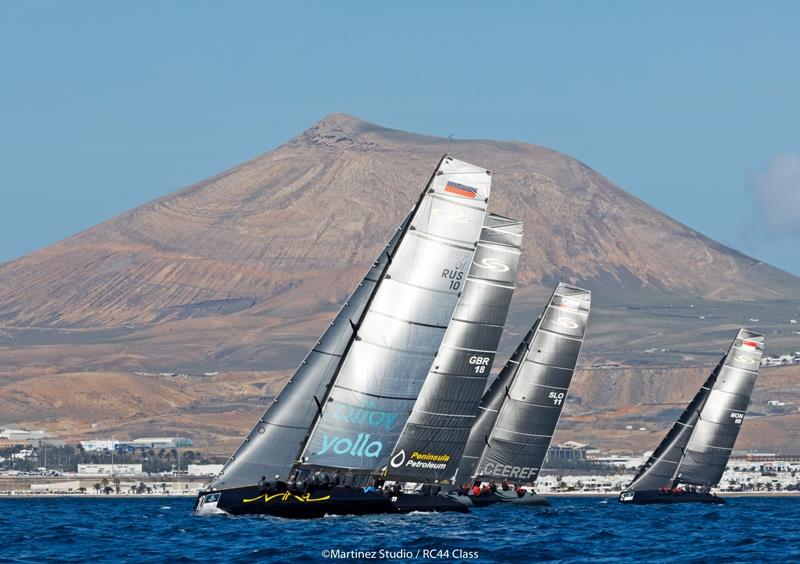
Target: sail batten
[(697, 448)]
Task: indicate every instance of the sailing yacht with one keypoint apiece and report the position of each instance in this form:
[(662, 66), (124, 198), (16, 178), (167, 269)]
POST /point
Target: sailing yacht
[(344, 408), (433, 439), (520, 410), (692, 457)]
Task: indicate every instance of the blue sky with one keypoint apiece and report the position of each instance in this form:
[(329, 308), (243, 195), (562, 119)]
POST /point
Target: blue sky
[(692, 106)]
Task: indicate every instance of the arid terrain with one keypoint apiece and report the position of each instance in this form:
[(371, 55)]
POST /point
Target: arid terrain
[(186, 314)]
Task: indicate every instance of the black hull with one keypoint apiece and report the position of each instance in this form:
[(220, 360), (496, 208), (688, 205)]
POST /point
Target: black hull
[(655, 497), (320, 502), (485, 500)]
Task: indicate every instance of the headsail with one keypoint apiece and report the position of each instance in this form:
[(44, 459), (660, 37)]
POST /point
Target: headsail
[(433, 439), (272, 445), (697, 448), (399, 334), (532, 399)]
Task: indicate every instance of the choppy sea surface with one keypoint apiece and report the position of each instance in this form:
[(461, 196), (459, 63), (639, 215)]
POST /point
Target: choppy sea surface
[(571, 530)]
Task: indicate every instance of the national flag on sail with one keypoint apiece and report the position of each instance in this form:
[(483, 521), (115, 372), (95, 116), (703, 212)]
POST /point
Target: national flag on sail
[(461, 189), (752, 345)]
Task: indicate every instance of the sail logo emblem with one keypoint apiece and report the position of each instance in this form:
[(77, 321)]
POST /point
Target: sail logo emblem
[(744, 359), (493, 264), (361, 447), (450, 214), (366, 414), (565, 322), (398, 459)]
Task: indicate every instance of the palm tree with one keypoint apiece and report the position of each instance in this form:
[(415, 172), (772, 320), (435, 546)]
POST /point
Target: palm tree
[(104, 481), (96, 488), (116, 484), (164, 488)]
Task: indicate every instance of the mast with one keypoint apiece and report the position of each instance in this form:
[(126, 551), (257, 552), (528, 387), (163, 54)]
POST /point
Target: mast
[(532, 401), (433, 439), (399, 334)]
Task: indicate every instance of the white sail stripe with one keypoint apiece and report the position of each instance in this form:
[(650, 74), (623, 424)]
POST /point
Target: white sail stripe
[(579, 339), (487, 408), (569, 309), (664, 460), (684, 424), (458, 200), (518, 442), (487, 283), (545, 386), (438, 239), (442, 414), (547, 365), (502, 249), (527, 434), (707, 446), (503, 231), (468, 350)]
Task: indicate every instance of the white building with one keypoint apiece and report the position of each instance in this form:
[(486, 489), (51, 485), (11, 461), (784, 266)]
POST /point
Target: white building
[(99, 445), (204, 469), (109, 469), (162, 442), (20, 434)]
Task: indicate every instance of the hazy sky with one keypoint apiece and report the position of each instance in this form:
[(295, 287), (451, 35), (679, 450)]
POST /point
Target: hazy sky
[(694, 107)]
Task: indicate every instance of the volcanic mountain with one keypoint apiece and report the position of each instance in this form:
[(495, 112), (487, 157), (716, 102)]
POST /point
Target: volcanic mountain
[(242, 271)]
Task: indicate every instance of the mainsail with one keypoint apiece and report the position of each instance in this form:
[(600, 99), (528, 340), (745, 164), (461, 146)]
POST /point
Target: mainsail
[(272, 445), (697, 448), (399, 334), (523, 406), (432, 441)]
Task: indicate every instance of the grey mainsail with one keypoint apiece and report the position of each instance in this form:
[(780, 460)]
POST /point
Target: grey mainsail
[(432, 441), (402, 328), (531, 401), (489, 407), (272, 445), (697, 448)]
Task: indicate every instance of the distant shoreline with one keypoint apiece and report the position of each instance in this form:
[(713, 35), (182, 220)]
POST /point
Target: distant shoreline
[(25, 495)]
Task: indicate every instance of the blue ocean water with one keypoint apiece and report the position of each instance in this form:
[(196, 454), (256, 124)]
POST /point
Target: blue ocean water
[(572, 530)]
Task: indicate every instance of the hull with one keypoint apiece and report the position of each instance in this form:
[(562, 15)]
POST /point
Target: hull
[(318, 503), (485, 500), (653, 497)]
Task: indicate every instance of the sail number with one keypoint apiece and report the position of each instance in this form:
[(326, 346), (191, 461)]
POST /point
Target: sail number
[(557, 397), (455, 276), (479, 363)]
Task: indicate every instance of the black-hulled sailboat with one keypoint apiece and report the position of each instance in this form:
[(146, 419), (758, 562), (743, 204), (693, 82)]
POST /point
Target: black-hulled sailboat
[(428, 451), (520, 410), (692, 457), (344, 407)]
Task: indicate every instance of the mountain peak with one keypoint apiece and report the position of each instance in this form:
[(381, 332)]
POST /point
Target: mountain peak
[(340, 131)]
